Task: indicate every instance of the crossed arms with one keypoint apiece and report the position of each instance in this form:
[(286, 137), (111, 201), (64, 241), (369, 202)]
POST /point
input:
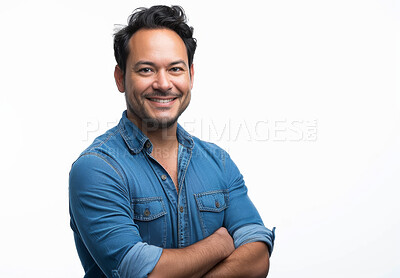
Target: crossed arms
[(214, 256), (106, 236)]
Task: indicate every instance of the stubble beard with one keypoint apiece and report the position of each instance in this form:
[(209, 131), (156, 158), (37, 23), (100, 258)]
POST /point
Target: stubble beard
[(150, 124)]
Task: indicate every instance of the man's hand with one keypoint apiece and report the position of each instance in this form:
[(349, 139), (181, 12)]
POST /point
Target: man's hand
[(197, 259), (248, 260), (225, 240)]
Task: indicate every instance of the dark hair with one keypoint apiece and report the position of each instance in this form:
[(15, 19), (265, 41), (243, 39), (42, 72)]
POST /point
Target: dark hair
[(155, 17)]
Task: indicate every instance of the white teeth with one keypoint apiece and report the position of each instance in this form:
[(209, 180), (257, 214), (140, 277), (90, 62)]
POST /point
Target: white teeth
[(162, 100)]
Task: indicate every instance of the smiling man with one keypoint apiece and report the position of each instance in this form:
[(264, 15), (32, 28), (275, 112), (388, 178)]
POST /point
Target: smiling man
[(147, 198)]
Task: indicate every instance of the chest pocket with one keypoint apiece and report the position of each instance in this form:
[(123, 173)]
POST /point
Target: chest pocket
[(149, 214), (211, 206)]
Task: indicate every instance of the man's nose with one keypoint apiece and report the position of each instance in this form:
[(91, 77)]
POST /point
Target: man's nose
[(162, 82)]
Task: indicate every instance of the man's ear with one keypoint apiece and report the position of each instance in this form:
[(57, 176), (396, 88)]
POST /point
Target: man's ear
[(191, 75), (119, 79)]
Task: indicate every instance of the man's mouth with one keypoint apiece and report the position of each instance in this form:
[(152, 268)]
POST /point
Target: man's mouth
[(160, 100)]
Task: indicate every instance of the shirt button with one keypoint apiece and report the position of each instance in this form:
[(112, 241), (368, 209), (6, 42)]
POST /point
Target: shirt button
[(148, 144), (146, 212), (163, 177), (181, 209), (217, 204)]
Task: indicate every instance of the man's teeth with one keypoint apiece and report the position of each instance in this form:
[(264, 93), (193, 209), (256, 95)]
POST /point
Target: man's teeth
[(162, 100)]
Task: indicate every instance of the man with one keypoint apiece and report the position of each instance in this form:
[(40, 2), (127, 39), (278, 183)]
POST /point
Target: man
[(148, 199)]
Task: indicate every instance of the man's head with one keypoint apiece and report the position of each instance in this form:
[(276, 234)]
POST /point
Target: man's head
[(156, 17), (154, 55)]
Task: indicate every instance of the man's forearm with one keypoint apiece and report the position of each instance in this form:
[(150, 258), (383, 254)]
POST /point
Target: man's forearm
[(194, 260), (249, 260)]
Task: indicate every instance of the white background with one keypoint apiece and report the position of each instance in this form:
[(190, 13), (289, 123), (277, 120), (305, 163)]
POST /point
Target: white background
[(333, 199)]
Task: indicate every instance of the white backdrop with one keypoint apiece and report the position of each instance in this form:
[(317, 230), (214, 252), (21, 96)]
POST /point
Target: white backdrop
[(304, 95)]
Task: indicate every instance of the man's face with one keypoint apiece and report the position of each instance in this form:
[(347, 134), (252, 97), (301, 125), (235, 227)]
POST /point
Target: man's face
[(157, 81)]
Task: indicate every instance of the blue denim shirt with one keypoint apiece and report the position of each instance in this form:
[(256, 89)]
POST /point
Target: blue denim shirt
[(125, 209)]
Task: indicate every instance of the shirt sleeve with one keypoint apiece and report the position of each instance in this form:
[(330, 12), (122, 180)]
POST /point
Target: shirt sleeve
[(242, 219), (100, 208)]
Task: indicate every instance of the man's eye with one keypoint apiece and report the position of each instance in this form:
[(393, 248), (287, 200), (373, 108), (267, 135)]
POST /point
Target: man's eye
[(144, 70), (176, 69)]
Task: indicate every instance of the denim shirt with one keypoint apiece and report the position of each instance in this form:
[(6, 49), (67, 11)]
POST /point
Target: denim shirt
[(125, 208)]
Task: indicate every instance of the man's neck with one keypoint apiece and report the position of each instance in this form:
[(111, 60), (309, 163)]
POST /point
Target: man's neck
[(163, 139)]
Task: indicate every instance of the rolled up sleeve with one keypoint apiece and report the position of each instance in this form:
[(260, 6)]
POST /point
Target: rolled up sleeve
[(242, 219), (253, 233), (140, 260), (101, 217)]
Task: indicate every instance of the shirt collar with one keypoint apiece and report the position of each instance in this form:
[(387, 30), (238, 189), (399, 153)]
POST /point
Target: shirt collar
[(184, 137), (136, 140)]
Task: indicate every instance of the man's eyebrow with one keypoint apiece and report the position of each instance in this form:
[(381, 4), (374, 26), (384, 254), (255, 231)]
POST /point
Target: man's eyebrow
[(148, 63), (178, 62), (145, 63)]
